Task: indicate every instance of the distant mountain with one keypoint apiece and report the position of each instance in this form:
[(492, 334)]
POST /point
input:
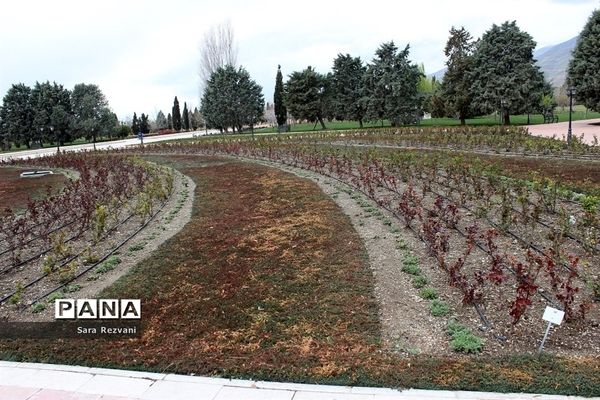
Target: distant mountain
[(553, 61)]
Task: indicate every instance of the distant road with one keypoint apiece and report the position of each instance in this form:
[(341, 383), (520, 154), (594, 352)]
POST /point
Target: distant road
[(116, 144), (589, 128)]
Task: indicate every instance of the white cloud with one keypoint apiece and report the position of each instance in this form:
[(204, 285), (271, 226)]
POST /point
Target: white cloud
[(143, 53)]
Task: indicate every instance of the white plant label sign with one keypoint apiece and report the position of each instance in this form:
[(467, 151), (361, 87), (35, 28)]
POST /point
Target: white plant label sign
[(553, 315)]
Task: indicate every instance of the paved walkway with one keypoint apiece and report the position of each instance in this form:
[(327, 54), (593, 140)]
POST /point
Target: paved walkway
[(588, 128), (115, 144), (28, 381)]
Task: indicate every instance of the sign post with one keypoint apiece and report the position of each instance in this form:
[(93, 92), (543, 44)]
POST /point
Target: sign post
[(554, 317)]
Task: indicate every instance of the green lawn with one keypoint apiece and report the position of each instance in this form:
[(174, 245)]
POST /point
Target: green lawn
[(579, 113)]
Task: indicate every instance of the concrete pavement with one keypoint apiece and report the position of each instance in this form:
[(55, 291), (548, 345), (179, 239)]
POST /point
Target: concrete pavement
[(115, 144), (28, 381), (588, 128)]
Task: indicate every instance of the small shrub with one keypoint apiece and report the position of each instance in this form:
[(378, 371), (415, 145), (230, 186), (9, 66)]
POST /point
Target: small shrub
[(72, 288), (439, 308), (90, 257), (428, 293), (108, 265), (38, 308), (54, 296), (18, 295), (411, 269), (137, 246), (419, 281), (67, 272), (463, 339)]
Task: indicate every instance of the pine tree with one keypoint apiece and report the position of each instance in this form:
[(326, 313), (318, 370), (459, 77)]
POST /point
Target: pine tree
[(278, 101), (456, 86), (391, 86), (16, 115), (135, 124), (232, 100), (176, 115), (584, 73), (305, 96), (144, 124), (161, 121), (185, 118), (347, 88), (169, 121), (504, 75)]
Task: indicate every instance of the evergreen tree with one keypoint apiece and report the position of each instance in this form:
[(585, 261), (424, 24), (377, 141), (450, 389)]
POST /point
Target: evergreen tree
[(195, 120), (391, 86), (347, 88), (176, 115), (504, 75), (185, 118), (232, 99), (52, 112), (161, 121), (169, 121), (90, 109), (144, 124), (16, 115), (306, 96), (456, 84), (584, 73), (278, 101), (135, 124)]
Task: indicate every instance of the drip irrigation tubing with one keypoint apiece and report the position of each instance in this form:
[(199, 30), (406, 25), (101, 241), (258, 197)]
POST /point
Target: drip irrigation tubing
[(86, 270)]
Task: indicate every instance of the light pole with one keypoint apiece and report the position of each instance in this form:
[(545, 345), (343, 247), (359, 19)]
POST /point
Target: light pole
[(571, 91), (51, 127), (503, 104)]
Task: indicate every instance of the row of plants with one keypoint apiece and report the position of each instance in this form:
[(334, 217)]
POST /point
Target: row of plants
[(435, 219), (62, 230)]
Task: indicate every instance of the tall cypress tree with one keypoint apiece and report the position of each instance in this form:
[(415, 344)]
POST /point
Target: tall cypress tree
[(144, 124), (185, 122), (456, 90), (176, 115), (169, 121), (135, 124), (280, 109)]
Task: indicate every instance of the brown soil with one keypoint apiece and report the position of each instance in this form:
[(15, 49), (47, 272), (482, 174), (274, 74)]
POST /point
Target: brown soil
[(15, 192)]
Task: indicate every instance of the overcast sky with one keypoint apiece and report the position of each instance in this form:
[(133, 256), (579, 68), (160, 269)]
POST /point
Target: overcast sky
[(143, 53)]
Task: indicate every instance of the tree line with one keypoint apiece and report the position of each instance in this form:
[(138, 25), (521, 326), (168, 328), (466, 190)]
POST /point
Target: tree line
[(51, 113), (494, 73), (176, 120)]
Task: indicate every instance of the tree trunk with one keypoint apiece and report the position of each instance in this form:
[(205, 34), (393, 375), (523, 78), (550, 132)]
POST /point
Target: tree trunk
[(528, 119), (322, 123), (463, 119), (360, 123)]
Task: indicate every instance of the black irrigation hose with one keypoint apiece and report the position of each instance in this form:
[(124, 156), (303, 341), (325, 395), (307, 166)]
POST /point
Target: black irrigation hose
[(477, 306), (588, 157), (64, 262), (30, 259), (480, 313), (86, 270), (39, 237), (537, 220)]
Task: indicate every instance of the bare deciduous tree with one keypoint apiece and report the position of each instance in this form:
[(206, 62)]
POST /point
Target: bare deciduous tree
[(218, 49)]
